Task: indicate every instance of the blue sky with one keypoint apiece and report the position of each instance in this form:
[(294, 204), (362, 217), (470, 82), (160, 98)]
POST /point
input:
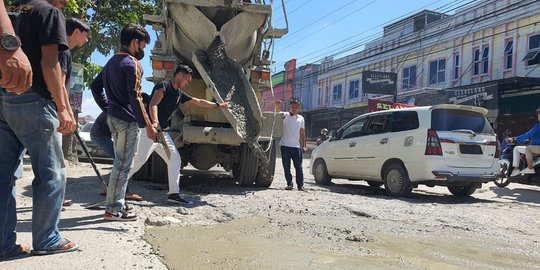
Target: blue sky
[(317, 29)]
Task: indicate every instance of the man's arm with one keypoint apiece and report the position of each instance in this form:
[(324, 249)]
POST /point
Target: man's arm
[(154, 102), (278, 106), (53, 79), (303, 140), (202, 103), (133, 80), (98, 92), (529, 134), (15, 69)]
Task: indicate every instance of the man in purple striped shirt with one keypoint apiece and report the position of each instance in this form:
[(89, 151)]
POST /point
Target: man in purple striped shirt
[(117, 91)]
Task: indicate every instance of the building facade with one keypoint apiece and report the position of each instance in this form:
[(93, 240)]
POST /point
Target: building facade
[(483, 44)]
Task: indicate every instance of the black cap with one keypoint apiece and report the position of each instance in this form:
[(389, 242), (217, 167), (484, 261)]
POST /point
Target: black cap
[(183, 68), (295, 100)]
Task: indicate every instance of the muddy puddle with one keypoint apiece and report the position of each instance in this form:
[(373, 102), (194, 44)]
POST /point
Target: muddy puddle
[(260, 243)]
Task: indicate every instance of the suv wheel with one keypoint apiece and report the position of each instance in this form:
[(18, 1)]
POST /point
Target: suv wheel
[(321, 173), (462, 191), (396, 181)]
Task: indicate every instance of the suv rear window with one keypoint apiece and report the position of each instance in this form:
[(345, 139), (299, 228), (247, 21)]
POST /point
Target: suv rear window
[(448, 120)]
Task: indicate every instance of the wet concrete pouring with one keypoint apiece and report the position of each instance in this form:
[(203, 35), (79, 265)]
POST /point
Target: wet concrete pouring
[(234, 89)]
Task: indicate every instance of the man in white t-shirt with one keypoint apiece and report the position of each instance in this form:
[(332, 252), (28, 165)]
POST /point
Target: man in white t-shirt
[(293, 143)]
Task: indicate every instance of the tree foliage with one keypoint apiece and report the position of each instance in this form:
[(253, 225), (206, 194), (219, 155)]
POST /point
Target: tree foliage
[(106, 18)]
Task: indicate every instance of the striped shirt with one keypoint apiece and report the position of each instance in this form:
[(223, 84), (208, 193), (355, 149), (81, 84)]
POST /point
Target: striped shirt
[(117, 89)]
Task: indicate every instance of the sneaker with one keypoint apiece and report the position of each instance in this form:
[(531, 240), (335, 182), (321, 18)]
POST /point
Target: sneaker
[(175, 198), (515, 172), (300, 188), (127, 207), (528, 171), (289, 187), (120, 216)]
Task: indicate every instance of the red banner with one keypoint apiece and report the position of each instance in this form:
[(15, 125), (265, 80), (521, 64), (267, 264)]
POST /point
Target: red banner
[(381, 105)]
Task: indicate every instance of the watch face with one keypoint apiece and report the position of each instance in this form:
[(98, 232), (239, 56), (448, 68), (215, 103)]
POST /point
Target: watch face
[(10, 42)]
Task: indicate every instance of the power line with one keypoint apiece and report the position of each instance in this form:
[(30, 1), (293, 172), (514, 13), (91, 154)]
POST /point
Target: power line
[(363, 41), (435, 34), (431, 53), (292, 11)]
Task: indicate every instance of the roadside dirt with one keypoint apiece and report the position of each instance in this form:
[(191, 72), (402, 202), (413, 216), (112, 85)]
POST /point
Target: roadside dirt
[(347, 225)]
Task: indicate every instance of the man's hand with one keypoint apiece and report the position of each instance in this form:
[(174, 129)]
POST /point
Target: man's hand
[(304, 149), (151, 132), (510, 140), (15, 71), (67, 122), (224, 105)]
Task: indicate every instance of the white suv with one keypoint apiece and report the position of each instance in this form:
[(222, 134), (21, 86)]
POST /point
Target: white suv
[(445, 145)]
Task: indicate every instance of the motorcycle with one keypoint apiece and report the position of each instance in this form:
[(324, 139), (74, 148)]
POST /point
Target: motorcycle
[(505, 178)]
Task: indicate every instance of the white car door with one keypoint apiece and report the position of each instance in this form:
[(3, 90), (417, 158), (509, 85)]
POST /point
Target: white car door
[(344, 149), (373, 146)]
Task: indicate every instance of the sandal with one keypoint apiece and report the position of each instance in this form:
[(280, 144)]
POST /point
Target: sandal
[(64, 246), (67, 203), (17, 251), (133, 197)]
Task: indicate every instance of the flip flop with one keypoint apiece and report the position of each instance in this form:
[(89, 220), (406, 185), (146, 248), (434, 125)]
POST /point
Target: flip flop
[(62, 247), (133, 197), (17, 251)]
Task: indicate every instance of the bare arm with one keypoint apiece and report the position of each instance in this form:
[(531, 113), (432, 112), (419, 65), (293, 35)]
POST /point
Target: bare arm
[(303, 140), (154, 102), (202, 103), (53, 78), (15, 69), (278, 106)]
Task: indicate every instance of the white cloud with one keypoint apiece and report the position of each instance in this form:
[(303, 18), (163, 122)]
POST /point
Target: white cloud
[(89, 106)]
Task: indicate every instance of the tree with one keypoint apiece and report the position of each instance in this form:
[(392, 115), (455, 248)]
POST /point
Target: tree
[(106, 18)]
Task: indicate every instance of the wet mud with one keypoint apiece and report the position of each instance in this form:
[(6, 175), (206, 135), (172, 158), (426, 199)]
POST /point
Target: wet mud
[(285, 242)]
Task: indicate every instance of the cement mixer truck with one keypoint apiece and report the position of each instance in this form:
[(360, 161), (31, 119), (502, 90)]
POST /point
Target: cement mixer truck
[(228, 42)]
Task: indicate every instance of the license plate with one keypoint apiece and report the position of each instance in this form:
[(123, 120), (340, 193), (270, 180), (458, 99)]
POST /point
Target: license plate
[(470, 149)]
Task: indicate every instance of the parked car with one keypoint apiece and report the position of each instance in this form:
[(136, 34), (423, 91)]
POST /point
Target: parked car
[(442, 145), (96, 152)]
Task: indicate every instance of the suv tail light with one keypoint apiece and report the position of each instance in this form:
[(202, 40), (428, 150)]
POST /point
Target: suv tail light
[(433, 145), (498, 150)]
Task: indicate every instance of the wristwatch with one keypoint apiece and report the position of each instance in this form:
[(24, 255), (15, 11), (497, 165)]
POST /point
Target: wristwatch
[(9, 42), (217, 104)]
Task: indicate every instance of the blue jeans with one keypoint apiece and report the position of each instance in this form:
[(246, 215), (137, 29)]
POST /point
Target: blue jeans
[(103, 142), (29, 121), (125, 137), (288, 153), (106, 144)]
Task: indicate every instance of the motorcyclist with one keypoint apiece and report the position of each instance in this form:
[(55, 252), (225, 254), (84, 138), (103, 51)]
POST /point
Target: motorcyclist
[(323, 137), (532, 148)]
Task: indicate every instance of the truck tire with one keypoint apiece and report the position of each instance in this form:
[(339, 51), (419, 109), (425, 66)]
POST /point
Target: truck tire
[(144, 173), (246, 170), (462, 191), (396, 181), (265, 176), (159, 172)]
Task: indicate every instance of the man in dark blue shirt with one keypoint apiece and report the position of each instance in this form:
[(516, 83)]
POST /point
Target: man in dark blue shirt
[(117, 90), (166, 97)]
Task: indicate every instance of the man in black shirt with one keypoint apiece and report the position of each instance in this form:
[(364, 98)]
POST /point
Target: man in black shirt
[(166, 97), (31, 120)]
